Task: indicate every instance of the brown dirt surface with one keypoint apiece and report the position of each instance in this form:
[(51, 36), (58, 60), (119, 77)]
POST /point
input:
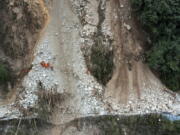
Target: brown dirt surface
[(130, 73)]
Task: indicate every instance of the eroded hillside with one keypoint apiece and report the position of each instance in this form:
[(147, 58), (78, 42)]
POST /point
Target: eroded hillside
[(20, 27), (87, 62)]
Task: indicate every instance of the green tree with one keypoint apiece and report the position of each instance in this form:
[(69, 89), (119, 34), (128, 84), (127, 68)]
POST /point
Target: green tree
[(161, 19)]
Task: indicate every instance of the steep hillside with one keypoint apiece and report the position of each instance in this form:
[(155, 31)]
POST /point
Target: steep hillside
[(87, 69), (20, 27)]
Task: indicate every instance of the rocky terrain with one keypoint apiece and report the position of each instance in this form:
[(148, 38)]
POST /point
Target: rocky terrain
[(86, 62)]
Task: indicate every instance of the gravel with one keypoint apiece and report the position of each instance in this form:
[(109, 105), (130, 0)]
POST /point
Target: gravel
[(39, 74)]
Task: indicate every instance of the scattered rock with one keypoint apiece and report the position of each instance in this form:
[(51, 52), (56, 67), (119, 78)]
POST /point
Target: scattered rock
[(121, 6), (128, 27)]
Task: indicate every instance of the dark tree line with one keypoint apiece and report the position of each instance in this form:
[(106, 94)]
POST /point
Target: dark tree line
[(161, 19)]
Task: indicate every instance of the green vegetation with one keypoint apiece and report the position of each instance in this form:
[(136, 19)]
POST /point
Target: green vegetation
[(102, 61), (22, 127), (4, 75), (161, 19), (150, 124)]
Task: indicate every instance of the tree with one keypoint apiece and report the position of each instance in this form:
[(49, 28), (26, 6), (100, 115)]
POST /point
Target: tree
[(161, 19)]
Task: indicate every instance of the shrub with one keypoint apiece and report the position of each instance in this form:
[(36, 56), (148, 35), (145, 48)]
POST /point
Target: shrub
[(161, 19), (102, 62), (4, 75)]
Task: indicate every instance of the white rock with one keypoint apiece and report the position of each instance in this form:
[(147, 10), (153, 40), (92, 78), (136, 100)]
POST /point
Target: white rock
[(128, 27), (122, 6)]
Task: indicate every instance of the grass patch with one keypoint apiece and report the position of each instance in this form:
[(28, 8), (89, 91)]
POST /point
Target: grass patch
[(48, 101)]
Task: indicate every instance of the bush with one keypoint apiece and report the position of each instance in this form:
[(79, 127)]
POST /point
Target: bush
[(102, 62), (161, 19), (4, 75)]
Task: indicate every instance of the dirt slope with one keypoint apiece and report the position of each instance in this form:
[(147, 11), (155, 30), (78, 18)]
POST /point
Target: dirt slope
[(73, 25), (74, 28), (61, 41), (130, 76), (131, 80)]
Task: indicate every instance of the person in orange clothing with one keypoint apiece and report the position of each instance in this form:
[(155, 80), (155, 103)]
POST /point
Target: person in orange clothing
[(46, 65)]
